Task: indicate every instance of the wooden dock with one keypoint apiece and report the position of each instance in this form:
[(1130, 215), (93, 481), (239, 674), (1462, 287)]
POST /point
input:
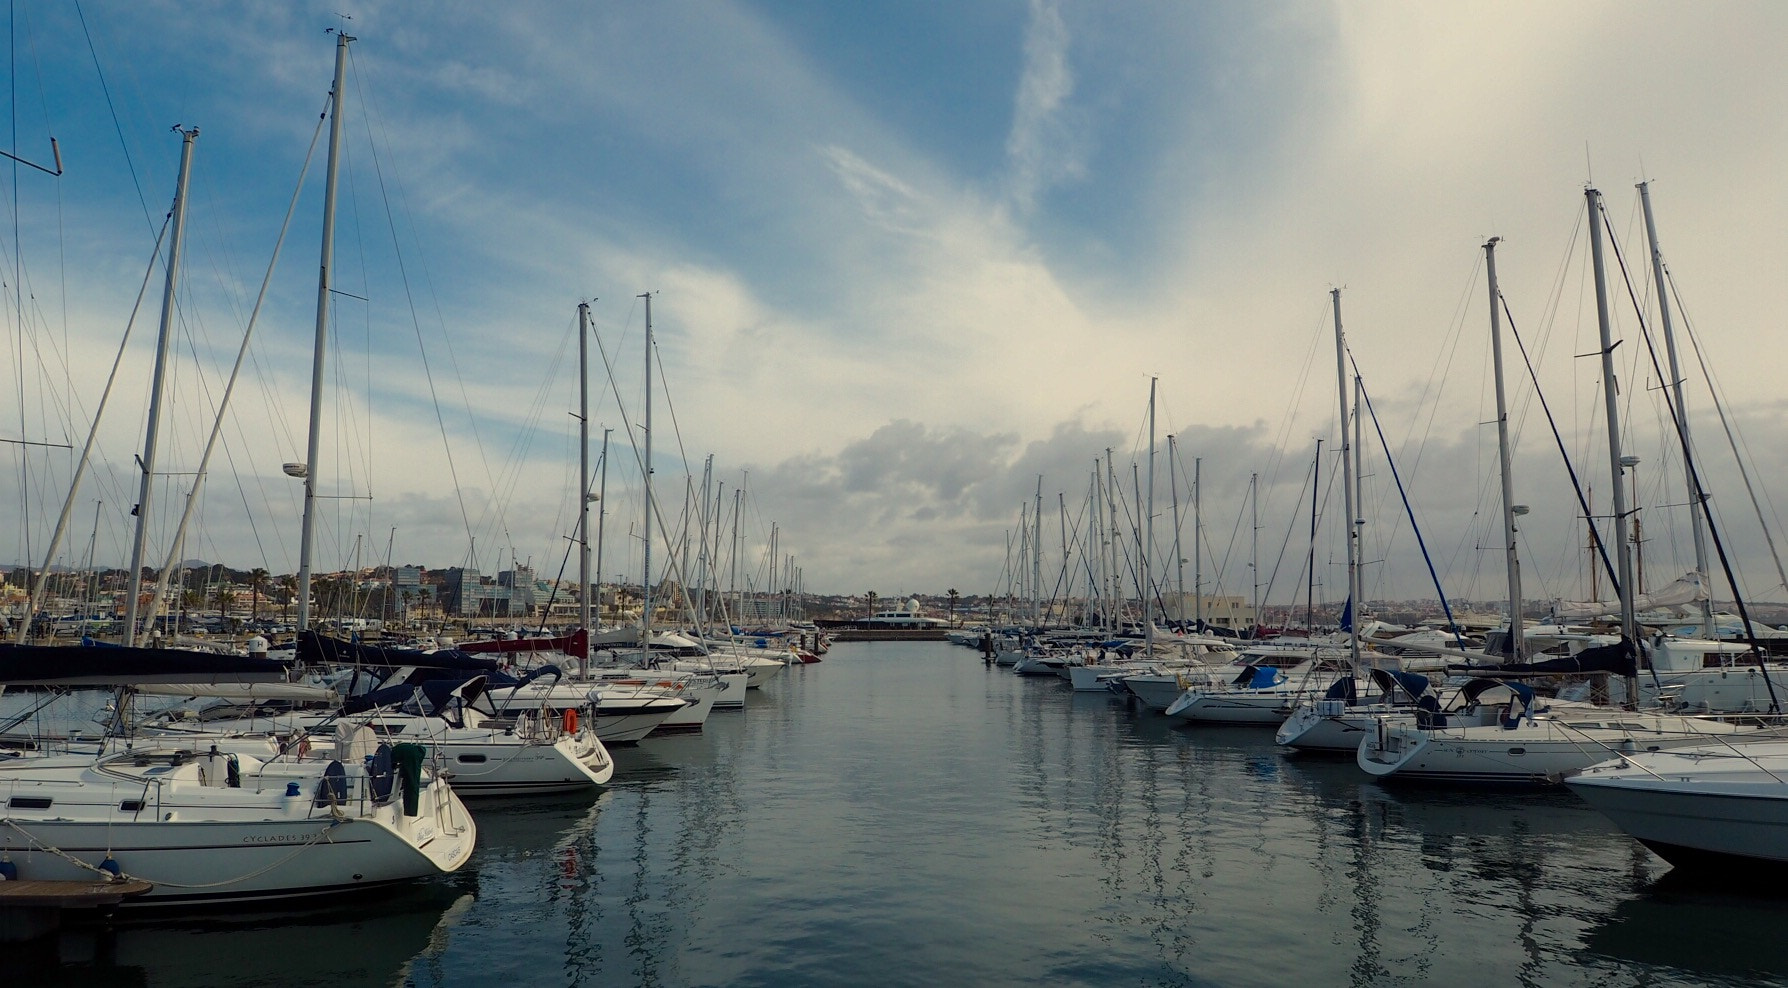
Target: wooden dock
[(31, 908)]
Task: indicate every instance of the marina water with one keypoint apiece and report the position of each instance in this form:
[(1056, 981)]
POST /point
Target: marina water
[(902, 814)]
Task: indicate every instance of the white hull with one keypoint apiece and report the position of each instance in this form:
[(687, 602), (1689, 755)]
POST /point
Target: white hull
[(1262, 708), (732, 692), (1158, 691), (1739, 689), (200, 843), (1536, 752), (1309, 729), (1710, 806), (1102, 679), (525, 758)]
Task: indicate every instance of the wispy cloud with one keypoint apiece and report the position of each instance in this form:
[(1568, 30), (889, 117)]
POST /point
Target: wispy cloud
[(1042, 147)]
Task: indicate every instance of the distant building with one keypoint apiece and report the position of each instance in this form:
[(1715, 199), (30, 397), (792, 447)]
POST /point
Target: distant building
[(1234, 613), (466, 593)]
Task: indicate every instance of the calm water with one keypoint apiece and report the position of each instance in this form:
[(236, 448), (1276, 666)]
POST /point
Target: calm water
[(902, 815)]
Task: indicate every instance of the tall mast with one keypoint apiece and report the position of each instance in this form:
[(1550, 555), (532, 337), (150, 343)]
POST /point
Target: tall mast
[(1254, 544), (1113, 570), (645, 631), (601, 513), (703, 562), (1310, 587), (1347, 478), (1357, 582), (1197, 547), (1517, 648), (1037, 558), (147, 489), (1616, 466), (1697, 525), (1148, 528), (1095, 556), (308, 469), (1179, 562), (583, 465)]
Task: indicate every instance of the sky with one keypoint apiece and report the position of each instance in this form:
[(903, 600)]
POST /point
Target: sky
[(913, 268)]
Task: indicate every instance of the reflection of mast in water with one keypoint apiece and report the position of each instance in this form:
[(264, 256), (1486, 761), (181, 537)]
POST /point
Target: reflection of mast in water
[(695, 799), (576, 880)]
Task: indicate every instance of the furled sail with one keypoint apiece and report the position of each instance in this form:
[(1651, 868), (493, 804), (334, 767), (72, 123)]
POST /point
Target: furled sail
[(1688, 589)]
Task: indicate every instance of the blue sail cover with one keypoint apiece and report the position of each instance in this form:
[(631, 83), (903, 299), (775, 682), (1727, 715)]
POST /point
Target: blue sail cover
[(436, 693), (1620, 659), (61, 665)]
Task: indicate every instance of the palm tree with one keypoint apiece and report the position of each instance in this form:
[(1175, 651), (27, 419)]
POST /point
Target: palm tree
[(288, 587), (223, 599), (257, 579), (870, 596), (952, 594)]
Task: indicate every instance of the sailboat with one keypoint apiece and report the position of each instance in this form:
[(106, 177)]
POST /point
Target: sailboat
[(204, 818), (1535, 742)]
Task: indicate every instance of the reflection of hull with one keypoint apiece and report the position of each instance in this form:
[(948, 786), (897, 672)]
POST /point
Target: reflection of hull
[(1709, 807), (1696, 928), (367, 944)]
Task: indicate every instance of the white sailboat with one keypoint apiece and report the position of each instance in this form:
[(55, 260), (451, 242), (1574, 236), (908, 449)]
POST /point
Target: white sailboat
[(1539, 743), (204, 819)]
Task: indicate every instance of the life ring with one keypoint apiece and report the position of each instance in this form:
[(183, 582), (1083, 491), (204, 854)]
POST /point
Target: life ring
[(570, 720)]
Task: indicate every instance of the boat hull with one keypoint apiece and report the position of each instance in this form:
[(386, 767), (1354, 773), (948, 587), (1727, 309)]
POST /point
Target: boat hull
[(1703, 808)]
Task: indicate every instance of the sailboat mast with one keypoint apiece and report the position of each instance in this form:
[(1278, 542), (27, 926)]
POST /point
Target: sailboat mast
[(1179, 561), (147, 489), (1148, 527), (1616, 466), (645, 632), (601, 513), (1254, 545), (1517, 648), (1037, 558), (1197, 547), (1696, 498), (583, 465), (1347, 480), (1310, 587), (307, 539), (1114, 572)]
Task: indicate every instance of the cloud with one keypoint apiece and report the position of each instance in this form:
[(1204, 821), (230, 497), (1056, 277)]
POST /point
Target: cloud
[(1042, 144)]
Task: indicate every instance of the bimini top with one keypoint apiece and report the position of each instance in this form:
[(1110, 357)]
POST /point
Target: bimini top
[(60, 665)]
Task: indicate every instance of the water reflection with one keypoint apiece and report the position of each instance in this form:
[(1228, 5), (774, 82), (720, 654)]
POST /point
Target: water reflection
[(903, 815), (376, 940)]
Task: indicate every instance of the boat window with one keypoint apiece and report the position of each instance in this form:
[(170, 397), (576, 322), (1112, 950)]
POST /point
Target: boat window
[(29, 803), (131, 806), (1517, 751), (471, 759)]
